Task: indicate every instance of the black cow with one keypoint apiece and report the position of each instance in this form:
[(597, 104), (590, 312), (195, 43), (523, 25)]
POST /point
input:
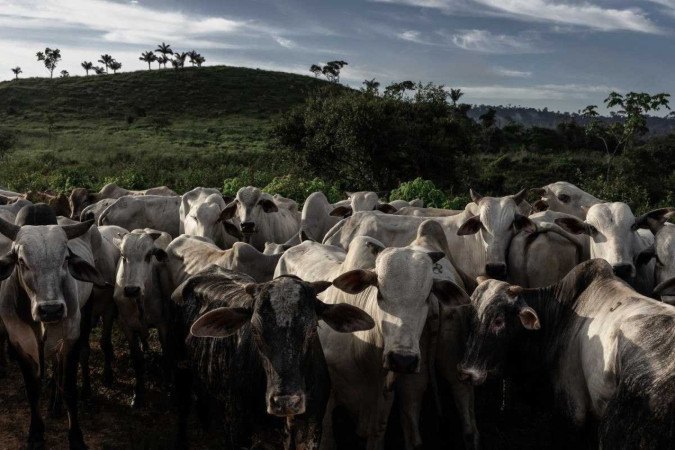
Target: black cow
[(254, 347)]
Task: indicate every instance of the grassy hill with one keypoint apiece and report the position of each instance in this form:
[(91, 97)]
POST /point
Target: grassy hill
[(183, 128)]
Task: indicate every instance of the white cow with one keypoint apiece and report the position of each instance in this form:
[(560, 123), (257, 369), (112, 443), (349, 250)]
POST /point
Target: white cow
[(663, 251), (200, 211), (565, 197), (147, 211), (80, 198), (362, 201), (261, 218)]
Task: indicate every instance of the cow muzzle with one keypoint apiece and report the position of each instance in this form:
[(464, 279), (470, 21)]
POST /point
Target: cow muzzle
[(286, 405), (248, 228), (496, 271), (471, 375), (401, 362), (624, 271), (132, 291), (51, 312)]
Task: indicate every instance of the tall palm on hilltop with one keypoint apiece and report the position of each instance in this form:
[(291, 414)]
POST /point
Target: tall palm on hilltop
[(455, 95), (106, 60), (17, 70), (164, 49), (149, 57), (87, 66)]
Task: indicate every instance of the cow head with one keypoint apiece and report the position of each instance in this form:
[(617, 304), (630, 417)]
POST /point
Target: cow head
[(138, 253), (283, 316), (663, 251), (362, 201), (79, 199), (403, 278), (497, 221), (204, 218), (500, 314), (564, 197), (248, 206), (611, 231), (45, 265)]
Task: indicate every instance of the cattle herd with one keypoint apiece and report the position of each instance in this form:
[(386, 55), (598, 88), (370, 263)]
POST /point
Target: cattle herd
[(289, 317)]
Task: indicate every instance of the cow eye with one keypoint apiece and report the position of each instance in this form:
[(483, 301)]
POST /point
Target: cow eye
[(497, 324), (564, 198)]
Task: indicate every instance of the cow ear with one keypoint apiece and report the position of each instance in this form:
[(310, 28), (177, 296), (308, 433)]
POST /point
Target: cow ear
[(449, 293), (268, 205), (471, 226), (304, 236), (220, 322), (341, 211), (436, 256), (386, 208), (355, 281), (645, 256), (665, 288), (575, 226), (522, 223), (320, 286), (520, 196), (228, 212), (343, 318), (7, 264), (375, 247), (528, 317), (232, 229), (475, 196), (653, 220), (81, 270), (349, 194), (160, 254), (154, 235)]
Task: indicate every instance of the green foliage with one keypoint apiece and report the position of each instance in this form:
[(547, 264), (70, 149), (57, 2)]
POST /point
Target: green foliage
[(619, 189), (7, 141), (50, 57), (232, 185), (422, 189), (298, 188)]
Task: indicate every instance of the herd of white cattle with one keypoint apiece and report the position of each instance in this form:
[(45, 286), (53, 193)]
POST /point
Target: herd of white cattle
[(436, 294)]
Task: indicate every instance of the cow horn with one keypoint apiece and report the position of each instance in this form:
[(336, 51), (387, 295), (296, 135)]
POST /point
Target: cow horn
[(520, 196), (9, 230), (475, 196), (76, 230)]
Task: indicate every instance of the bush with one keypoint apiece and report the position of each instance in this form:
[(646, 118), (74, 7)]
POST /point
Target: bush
[(619, 189), (422, 189), (299, 189), (7, 141)]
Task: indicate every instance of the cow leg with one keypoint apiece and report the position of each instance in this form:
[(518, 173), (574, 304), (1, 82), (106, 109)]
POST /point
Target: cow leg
[(139, 369), (85, 349), (410, 391), (69, 389), (106, 344), (36, 432), (463, 396), (56, 399)]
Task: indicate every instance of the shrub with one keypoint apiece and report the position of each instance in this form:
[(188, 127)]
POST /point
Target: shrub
[(422, 189), (299, 189), (7, 141)]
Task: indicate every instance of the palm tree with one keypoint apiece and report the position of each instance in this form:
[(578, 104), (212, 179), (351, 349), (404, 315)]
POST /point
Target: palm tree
[(51, 58), (99, 70), (162, 60), (164, 49), (17, 70), (87, 66), (371, 86), (455, 95), (200, 60), (64, 74), (106, 60), (149, 57), (115, 66), (178, 60), (315, 69), (193, 55)]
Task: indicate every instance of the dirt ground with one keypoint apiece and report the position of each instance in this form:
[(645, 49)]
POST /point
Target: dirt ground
[(108, 422)]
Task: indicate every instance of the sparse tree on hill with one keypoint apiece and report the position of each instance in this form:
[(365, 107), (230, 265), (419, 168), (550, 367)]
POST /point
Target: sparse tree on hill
[(65, 74), (193, 55), (455, 95), (17, 70), (200, 60), (162, 60), (316, 70), (164, 49), (371, 86), (115, 66), (397, 90), (87, 66), (99, 70), (148, 57), (178, 60), (106, 60), (51, 58), (332, 70)]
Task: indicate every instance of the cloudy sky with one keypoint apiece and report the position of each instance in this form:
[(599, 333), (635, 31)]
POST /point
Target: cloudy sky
[(563, 54)]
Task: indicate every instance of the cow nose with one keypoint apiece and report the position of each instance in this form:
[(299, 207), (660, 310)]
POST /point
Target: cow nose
[(496, 270), (623, 271), (132, 291), (403, 362), (51, 313), (287, 405), (473, 376), (248, 227)]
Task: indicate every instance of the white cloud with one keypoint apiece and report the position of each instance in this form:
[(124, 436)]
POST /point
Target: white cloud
[(413, 36), (486, 42), (567, 12), (287, 43), (495, 93), (503, 71)]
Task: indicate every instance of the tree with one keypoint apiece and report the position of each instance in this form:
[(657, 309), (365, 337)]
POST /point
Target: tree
[(17, 70), (371, 86), (488, 119), (51, 58), (332, 70), (316, 70), (106, 60), (115, 66), (396, 90), (162, 60), (630, 121), (99, 70), (178, 60), (455, 95), (149, 57), (200, 60), (65, 74), (194, 57), (164, 49), (87, 66)]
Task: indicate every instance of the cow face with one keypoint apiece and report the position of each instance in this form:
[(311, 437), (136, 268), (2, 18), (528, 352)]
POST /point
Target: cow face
[(566, 198), (611, 231), (44, 266), (205, 219), (249, 206), (403, 279), (283, 319), (497, 222), (134, 270), (499, 315), (362, 201)]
